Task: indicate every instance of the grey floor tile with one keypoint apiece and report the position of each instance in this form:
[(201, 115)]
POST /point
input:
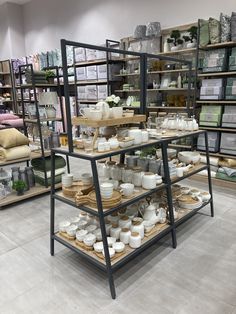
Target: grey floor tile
[(6, 244)]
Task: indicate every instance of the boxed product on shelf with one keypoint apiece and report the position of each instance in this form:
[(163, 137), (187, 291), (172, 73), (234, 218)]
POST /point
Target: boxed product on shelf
[(80, 54), (91, 72), (91, 54), (102, 71), (102, 91), (91, 92), (232, 60), (230, 90), (100, 55), (213, 142), (81, 92), (228, 143), (229, 117), (210, 115), (215, 60), (211, 89), (81, 74)]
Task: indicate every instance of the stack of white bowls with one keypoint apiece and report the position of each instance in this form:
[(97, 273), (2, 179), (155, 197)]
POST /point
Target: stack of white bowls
[(137, 135), (106, 189)]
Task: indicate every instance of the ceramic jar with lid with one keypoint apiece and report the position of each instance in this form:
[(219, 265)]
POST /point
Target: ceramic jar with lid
[(137, 135), (135, 240), (120, 170), (137, 226), (144, 136), (149, 181), (110, 165), (137, 176), (125, 222), (115, 231), (131, 161), (125, 235), (127, 175), (113, 218)]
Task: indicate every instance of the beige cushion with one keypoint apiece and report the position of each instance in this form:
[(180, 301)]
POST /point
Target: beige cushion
[(12, 138)]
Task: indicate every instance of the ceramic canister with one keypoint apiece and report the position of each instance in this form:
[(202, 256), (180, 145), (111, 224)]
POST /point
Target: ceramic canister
[(125, 222), (137, 176), (125, 235), (137, 135), (137, 226), (149, 181), (115, 231), (135, 240)]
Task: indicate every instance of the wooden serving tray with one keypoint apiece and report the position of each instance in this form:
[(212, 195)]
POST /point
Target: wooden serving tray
[(100, 255), (83, 246), (66, 236), (91, 200), (77, 187)]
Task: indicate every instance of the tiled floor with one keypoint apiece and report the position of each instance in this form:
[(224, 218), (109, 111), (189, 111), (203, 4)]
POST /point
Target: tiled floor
[(199, 277)]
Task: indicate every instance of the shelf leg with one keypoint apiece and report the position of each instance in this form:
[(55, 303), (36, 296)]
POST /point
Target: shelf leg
[(103, 229), (209, 174), (52, 204), (167, 179), (122, 158)]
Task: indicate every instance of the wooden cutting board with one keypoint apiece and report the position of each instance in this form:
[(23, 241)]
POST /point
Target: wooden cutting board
[(91, 199), (77, 187)]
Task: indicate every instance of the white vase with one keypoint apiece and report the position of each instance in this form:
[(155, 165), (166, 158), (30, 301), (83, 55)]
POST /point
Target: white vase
[(174, 48), (166, 46), (191, 45), (117, 112)]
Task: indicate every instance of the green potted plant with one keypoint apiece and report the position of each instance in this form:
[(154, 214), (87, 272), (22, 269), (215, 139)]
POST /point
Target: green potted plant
[(50, 75), (191, 39), (19, 186), (174, 37)]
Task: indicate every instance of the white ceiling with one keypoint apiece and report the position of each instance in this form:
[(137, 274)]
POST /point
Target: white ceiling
[(14, 1)]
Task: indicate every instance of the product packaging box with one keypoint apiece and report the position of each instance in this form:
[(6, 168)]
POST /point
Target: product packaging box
[(91, 72), (213, 142), (215, 61), (91, 54), (81, 74), (228, 143), (102, 92), (80, 54), (91, 92), (210, 116), (81, 92)]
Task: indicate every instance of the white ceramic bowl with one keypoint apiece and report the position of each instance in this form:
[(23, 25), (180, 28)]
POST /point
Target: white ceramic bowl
[(98, 234), (82, 224), (189, 157), (71, 230), (80, 234), (74, 220), (89, 239), (111, 252), (91, 228), (184, 190), (111, 241), (205, 196), (63, 225), (118, 247), (98, 247)]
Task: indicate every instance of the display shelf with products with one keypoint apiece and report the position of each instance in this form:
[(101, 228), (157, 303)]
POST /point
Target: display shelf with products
[(7, 91), (104, 261)]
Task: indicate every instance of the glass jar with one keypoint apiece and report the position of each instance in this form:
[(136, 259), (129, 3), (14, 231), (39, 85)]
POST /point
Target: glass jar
[(137, 176), (30, 175), (115, 172), (125, 235), (127, 175), (15, 173), (120, 171), (110, 165), (23, 177)]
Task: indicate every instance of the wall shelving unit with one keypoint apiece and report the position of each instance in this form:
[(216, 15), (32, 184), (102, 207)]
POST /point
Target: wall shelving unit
[(107, 265), (7, 86)]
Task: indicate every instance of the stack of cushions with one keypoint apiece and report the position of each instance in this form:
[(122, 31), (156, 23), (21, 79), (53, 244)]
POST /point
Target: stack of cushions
[(9, 119), (227, 170), (210, 115), (39, 164), (230, 90), (13, 145), (232, 60), (212, 89), (39, 77), (215, 60)]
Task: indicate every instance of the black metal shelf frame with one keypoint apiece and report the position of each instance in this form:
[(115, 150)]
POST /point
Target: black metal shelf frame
[(167, 182)]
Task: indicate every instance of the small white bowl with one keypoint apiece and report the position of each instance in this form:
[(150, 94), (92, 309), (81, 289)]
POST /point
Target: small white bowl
[(148, 225), (184, 190), (71, 230), (82, 224), (118, 247), (98, 247), (89, 239), (63, 225), (74, 220), (98, 234), (91, 228), (111, 241), (111, 252), (80, 234), (205, 196)]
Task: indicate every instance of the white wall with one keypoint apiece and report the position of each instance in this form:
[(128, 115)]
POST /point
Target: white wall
[(92, 21), (4, 33)]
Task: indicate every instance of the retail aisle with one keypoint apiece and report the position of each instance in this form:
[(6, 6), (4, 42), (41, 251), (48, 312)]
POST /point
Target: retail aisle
[(198, 277)]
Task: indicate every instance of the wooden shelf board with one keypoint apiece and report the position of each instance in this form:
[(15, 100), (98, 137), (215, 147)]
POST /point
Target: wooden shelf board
[(6, 87), (33, 192), (220, 45), (180, 146), (92, 62), (169, 108), (5, 73), (154, 72), (216, 102), (217, 74), (181, 51), (91, 82), (33, 155), (36, 85), (155, 90), (215, 181), (41, 120), (218, 155), (11, 100), (217, 129), (108, 122)]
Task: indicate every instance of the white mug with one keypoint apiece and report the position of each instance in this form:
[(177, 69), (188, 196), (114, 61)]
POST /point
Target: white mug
[(144, 136), (179, 172), (127, 189), (149, 180), (67, 180)]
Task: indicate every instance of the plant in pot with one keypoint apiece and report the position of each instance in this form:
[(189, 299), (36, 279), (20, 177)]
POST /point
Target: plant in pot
[(50, 75), (174, 37), (19, 186), (116, 111), (191, 39)]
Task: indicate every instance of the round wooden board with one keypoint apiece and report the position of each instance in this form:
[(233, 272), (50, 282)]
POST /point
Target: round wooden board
[(76, 187)]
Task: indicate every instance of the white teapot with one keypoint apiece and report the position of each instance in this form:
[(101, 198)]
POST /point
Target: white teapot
[(104, 107), (150, 214)]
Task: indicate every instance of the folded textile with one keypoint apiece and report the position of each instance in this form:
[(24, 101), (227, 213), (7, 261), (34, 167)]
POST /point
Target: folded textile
[(214, 161), (41, 181), (12, 137), (223, 176), (38, 163), (7, 116), (17, 123), (41, 173), (227, 162), (8, 154), (229, 171), (205, 173)]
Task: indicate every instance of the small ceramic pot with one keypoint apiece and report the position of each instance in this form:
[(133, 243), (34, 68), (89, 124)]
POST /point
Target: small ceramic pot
[(118, 247), (111, 252), (110, 241), (115, 231), (89, 239), (80, 234), (137, 176), (135, 240), (143, 163), (138, 226), (71, 230), (125, 222), (149, 181), (98, 234), (91, 228), (144, 136), (117, 112), (82, 224), (125, 235), (114, 218), (131, 161), (67, 180), (137, 135), (98, 247), (86, 178), (63, 225), (127, 189)]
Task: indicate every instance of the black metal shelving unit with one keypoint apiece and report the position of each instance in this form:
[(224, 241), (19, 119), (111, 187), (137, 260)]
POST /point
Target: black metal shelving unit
[(109, 266)]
